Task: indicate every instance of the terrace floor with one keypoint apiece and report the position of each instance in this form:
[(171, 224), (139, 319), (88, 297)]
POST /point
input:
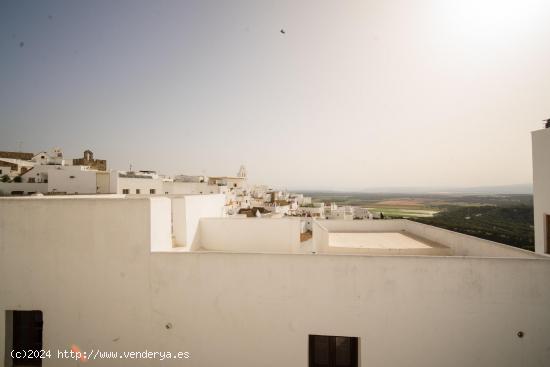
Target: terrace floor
[(387, 243)]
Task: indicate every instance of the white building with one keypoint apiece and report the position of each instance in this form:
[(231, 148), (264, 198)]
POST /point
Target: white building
[(55, 157), (541, 189), (231, 291), (313, 210), (361, 213), (333, 211), (12, 167), (50, 173), (137, 183)]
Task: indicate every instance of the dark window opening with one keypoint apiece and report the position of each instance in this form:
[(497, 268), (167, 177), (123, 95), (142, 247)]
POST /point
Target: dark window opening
[(152, 191), (138, 191), (24, 333), (333, 351), (126, 191)]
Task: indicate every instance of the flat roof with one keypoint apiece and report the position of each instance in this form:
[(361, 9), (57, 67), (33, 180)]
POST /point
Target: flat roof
[(377, 240), (386, 242)]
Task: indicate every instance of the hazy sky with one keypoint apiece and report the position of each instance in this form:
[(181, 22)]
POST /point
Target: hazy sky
[(356, 94)]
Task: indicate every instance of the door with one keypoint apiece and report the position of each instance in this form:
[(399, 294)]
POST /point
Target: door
[(333, 351), (27, 336)]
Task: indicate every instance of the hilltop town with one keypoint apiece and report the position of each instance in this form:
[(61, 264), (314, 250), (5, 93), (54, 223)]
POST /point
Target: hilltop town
[(50, 173)]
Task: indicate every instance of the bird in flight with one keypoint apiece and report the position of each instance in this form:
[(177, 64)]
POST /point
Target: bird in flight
[(283, 31)]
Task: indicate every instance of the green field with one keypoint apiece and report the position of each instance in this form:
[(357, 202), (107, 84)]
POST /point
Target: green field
[(404, 212)]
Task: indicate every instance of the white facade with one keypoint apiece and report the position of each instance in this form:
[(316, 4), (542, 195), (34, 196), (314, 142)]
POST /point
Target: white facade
[(71, 180), (312, 210), (136, 183), (361, 213), (338, 212), (22, 188), (118, 285), (187, 212), (6, 169), (188, 188), (54, 157), (541, 189)]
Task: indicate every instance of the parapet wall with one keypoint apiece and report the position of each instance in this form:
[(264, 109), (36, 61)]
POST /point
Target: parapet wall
[(141, 223), (459, 244), (263, 235)]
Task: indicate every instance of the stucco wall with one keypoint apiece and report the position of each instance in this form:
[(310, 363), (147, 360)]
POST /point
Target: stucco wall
[(274, 235), (160, 229), (460, 244), (186, 188), (186, 213), (7, 187), (143, 184), (101, 287), (103, 183), (83, 182), (541, 186), (465, 245)]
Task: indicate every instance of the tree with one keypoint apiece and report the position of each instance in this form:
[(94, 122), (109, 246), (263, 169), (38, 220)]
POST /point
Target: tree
[(18, 179), (5, 178)]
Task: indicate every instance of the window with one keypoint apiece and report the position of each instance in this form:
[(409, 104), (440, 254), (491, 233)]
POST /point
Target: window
[(24, 332), (31, 180), (125, 191), (71, 176), (333, 351), (152, 191), (138, 191)]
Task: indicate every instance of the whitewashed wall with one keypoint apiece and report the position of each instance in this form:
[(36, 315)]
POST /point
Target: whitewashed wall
[(460, 244), (250, 234), (187, 188), (541, 187), (103, 183), (186, 213), (100, 287), (7, 187), (82, 182), (465, 245), (143, 184)]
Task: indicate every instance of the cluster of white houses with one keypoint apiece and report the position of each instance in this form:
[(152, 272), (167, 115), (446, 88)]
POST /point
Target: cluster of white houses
[(49, 173), (173, 273)]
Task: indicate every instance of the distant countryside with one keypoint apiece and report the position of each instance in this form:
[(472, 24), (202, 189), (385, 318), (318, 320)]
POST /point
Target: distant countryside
[(502, 218)]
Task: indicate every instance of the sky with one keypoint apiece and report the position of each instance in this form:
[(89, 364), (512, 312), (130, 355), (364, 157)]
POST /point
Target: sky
[(354, 94)]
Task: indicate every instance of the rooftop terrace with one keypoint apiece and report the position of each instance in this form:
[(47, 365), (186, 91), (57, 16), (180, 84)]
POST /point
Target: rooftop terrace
[(195, 223)]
